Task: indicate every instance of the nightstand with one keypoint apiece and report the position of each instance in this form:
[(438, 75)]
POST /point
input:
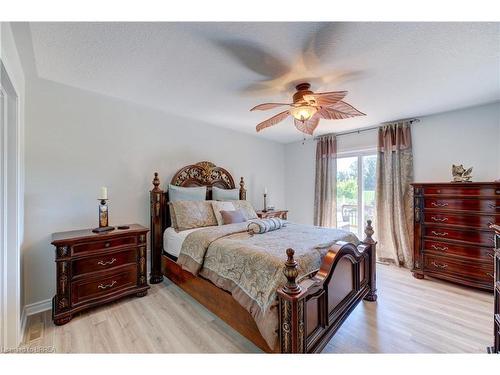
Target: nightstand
[(282, 214), (93, 269)]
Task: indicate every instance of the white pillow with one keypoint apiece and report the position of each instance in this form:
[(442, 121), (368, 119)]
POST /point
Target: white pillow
[(219, 206)]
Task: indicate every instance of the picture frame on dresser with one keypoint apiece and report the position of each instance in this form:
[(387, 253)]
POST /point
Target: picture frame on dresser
[(453, 239)]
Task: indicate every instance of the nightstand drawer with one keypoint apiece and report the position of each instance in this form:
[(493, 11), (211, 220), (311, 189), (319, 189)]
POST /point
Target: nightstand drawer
[(88, 289), (104, 244), (104, 262)]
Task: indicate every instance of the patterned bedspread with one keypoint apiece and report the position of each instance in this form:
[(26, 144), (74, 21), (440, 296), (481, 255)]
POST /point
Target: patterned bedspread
[(251, 266)]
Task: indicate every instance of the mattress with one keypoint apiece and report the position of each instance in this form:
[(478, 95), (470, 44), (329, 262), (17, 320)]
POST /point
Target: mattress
[(172, 240)]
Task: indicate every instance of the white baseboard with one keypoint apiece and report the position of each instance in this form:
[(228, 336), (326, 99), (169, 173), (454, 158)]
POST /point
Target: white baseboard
[(32, 309)]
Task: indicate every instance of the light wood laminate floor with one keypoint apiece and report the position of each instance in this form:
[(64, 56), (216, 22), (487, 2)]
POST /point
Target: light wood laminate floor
[(410, 316)]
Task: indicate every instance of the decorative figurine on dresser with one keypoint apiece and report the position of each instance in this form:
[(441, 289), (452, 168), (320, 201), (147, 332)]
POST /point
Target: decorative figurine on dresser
[(453, 236), (96, 268)]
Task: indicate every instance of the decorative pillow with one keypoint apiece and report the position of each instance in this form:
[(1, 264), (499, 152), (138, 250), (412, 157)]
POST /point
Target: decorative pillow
[(247, 208), (172, 215), (232, 217), (193, 214), (219, 194), (179, 193), (260, 226), (221, 206)]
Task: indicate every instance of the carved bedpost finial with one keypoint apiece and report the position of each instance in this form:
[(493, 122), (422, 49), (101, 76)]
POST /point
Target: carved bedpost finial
[(369, 233), (156, 182), (291, 272), (243, 192)]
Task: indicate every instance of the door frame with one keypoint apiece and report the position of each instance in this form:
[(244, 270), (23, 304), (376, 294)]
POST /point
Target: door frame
[(12, 215)]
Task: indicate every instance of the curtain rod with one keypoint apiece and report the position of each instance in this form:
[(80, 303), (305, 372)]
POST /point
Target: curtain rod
[(411, 121)]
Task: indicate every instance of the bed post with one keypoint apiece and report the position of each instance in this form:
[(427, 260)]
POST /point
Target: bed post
[(291, 310), (372, 295), (157, 202), (243, 191)]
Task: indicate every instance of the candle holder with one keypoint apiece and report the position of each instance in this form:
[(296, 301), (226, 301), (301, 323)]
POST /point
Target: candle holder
[(103, 217), (265, 203)]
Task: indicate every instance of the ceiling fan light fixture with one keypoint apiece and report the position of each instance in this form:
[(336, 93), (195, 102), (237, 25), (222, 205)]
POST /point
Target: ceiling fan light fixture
[(303, 112)]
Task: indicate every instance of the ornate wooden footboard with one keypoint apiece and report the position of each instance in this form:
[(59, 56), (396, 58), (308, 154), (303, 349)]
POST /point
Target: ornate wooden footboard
[(311, 309)]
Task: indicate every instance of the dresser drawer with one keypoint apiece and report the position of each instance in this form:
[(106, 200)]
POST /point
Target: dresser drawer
[(472, 252), (87, 289), (104, 244), (471, 191), (474, 236), (104, 262), (470, 221), (464, 270), (484, 205)]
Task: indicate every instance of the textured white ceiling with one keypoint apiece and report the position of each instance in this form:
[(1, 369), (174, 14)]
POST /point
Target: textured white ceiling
[(216, 72)]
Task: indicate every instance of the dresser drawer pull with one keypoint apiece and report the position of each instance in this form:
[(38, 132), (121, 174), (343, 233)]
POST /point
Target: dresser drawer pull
[(435, 247), (439, 218), (437, 204), (106, 263), (437, 265), (107, 244), (442, 234), (493, 206), (490, 275), (101, 286)]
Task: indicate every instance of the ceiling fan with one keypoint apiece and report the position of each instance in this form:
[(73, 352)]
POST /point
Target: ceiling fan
[(308, 108)]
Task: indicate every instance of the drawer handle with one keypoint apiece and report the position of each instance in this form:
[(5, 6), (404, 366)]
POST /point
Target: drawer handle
[(490, 275), (107, 244), (106, 286), (106, 263), (439, 218), (435, 247), (438, 204), (491, 205), (442, 234), (437, 265)]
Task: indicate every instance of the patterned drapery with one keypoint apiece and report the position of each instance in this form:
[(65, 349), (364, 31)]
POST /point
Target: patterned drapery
[(325, 205), (394, 197)]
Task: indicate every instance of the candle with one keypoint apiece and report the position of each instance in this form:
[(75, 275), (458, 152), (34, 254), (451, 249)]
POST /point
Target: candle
[(265, 190), (104, 193)]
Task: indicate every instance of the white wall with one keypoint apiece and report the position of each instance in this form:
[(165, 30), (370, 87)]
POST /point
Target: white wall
[(11, 273), (78, 141), (470, 136)]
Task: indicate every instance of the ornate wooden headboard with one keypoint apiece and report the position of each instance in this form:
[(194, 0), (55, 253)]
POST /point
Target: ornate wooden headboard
[(203, 173)]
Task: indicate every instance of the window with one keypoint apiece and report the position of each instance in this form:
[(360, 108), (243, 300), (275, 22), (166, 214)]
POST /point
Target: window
[(356, 181)]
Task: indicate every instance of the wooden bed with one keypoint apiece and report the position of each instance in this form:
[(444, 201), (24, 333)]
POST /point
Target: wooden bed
[(311, 309)]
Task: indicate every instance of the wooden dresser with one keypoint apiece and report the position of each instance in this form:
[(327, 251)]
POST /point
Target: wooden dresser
[(282, 214), (453, 238), (93, 269), (496, 313)]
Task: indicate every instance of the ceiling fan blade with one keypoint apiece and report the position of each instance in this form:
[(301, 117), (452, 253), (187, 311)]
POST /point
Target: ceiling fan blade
[(254, 57), (266, 106), (326, 98), (272, 121), (308, 126), (338, 111)]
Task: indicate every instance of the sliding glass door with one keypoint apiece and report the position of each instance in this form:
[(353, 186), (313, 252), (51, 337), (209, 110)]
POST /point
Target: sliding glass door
[(356, 180)]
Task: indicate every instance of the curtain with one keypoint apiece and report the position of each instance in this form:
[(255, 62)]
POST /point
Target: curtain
[(394, 198), (325, 205)]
